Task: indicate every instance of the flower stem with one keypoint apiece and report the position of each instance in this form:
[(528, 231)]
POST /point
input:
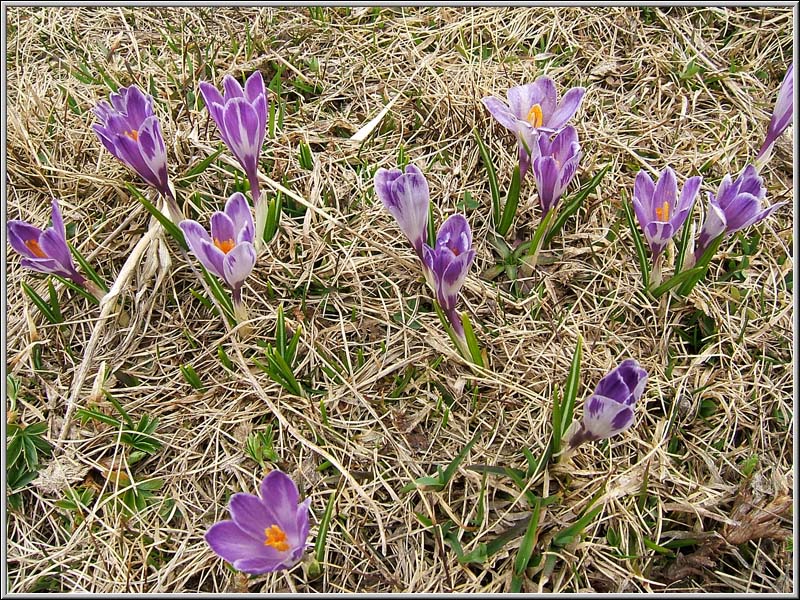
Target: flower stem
[(172, 204), (94, 289), (262, 208), (240, 312)]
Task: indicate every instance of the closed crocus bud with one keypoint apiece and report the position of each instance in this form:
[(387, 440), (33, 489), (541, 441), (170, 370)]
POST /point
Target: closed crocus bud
[(406, 196), (610, 409), (781, 116)]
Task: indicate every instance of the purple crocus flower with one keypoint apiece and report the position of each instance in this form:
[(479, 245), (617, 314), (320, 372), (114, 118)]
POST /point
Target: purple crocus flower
[(660, 211), (129, 129), (406, 196), (449, 263), (609, 410), (241, 118), (44, 251), (554, 165), (228, 252), (264, 534), (737, 205), (532, 108), (781, 116)]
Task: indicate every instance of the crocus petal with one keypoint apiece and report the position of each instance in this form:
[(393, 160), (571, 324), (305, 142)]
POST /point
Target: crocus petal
[(686, 201), (614, 386), (214, 102), (241, 125), (280, 493), (55, 246), (545, 171), (45, 265), (233, 544), (500, 111), (383, 183), (750, 182), (658, 234), (18, 233), (407, 198), (254, 86), (666, 192), (250, 515), (128, 152), (154, 153), (566, 108), (138, 106), (604, 417), (199, 243), (452, 279), (257, 566), (634, 375), (238, 264), (238, 210), (643, 189), (233, 89), (749, 214), (222, 229)]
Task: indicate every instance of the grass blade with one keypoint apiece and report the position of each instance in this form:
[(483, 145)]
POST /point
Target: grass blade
[(472, 341), (567, 408), (40, 303), (87, 268), (677, 279), (529, 540), (492, 176), (644, 264), (512, 201), (574, 203), (324, 525), (702, 264), (79, 289), (684, 243)]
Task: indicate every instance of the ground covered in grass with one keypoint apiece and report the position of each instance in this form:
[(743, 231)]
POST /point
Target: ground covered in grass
[(696, 496)]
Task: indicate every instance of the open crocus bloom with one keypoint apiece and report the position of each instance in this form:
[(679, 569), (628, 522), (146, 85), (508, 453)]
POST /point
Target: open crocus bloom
[(781, 116), (609, 410), (129, 129), (737, 205), (406, 196), (44, 251), (228, 252), (533, 108), (449, 264), (266, 533), (660, 211), (554, 165)]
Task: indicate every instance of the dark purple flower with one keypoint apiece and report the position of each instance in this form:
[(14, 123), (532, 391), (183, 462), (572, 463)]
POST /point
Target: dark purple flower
[(406, 196), (241, 118), (532, 108), (659, 210), (130, 131), (449, 263), (44, 251), (264, 534), (554, 165), (737, 205), (781, 116), (228, 252), (609, 410)]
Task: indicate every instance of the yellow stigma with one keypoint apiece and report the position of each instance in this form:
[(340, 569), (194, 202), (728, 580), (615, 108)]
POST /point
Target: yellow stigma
[(133, 134), (224, 245), (535, 117), (662, 214), (33, 246), (276, 537)]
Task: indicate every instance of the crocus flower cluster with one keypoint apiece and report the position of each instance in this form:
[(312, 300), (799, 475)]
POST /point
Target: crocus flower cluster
[(736, 205), (129, 129), (266, 533), (241, 118), (533, 109), (781, 116), (407, 197), (609, 410), (228, 252)]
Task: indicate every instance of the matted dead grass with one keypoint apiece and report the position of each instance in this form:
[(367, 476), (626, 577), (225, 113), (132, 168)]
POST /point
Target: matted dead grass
[(717, 396)]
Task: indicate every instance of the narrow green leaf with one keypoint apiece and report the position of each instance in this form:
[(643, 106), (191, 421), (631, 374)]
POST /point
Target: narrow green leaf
[(472, 341), (571, 388), (324, 525), (644, 264), (492, 177), (677, 280), (683, 245), (51, 291), (40, 303), (538, 237), (87, 269), (702, 264), (512, 201), (567, 535), (280, 333), (196, 170), (79, 289), (431, 227), (85, 414), (291, 350), (123, 413), (573, 204), (166, 222), (451, 468)]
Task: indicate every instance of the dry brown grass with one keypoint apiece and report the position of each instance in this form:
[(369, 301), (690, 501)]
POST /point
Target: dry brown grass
[(344, 274)]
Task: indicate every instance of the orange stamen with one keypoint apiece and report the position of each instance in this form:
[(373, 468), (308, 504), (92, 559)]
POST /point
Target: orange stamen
[(535, 116), (33, 246), (662, 213), (224, 245), (276, 537), (133, 134)]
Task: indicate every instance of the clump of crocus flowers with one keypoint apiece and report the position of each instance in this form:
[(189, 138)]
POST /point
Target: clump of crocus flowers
[(46, 251), (610, 409), (228, 252), (241, 118), (406, 196), (266, 533)]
